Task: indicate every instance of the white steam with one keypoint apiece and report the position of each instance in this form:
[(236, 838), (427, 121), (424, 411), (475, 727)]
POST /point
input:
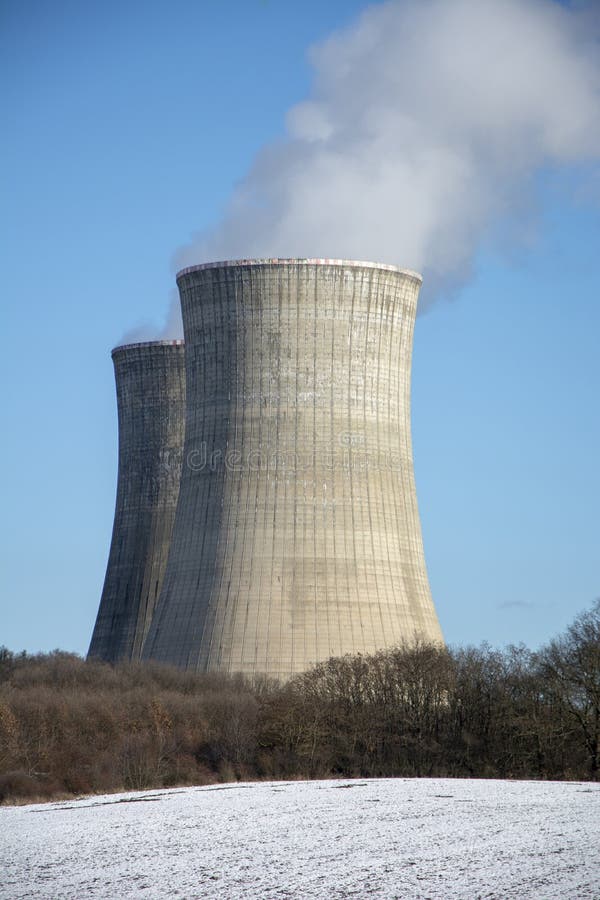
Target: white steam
[(171, 330), (426, 123)]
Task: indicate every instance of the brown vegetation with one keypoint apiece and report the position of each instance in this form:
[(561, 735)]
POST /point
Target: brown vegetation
[(69, 726)]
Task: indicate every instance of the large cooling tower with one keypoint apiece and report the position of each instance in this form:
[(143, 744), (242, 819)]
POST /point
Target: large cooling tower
[(150, 379), (297, 534)]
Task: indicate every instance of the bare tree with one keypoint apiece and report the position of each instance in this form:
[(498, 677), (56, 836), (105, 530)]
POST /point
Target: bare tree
[(570, 668)]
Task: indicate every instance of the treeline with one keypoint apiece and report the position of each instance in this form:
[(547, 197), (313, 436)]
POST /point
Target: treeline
[(68, 726)]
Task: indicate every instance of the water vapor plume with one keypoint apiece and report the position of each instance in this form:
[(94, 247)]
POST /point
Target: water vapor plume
[(426, 124), (172, 328)]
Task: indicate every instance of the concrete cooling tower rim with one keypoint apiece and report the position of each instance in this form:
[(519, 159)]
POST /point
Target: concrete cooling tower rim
[(122, 347), (276, 261)]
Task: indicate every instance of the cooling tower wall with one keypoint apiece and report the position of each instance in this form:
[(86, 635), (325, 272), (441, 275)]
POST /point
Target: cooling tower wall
[(150, 381), (297, 535)]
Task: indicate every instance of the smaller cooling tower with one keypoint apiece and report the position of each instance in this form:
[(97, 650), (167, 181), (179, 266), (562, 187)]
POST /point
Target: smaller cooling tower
[(150, 380)]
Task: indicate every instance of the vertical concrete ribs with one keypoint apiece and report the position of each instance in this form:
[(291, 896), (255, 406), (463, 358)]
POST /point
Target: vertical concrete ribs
[(150, 382), (297, 534)]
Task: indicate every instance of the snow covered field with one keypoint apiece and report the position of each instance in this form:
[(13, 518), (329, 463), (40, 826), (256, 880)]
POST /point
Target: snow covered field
[(395, 838)]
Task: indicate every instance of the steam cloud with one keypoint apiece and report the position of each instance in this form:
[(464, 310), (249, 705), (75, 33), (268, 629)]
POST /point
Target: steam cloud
[(427, 122)]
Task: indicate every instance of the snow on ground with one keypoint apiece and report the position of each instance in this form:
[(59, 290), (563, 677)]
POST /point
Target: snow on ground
[(392, 838)]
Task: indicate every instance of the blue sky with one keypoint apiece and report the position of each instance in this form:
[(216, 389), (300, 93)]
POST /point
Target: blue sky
[(129, 127)]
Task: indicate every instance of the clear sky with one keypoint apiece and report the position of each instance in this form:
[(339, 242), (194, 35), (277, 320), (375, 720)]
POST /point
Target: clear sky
[(127, 128)]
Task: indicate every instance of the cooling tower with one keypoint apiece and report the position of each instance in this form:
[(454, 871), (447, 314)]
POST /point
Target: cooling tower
[(150, 380), (297, 534)]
